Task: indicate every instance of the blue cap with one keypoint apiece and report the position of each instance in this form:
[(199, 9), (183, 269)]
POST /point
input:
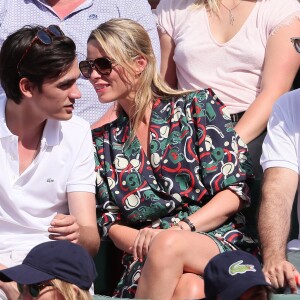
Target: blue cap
[(228, 275), (55, 259)]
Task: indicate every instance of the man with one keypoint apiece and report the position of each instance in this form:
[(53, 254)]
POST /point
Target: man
[(77, 19), (234, 275), (47, 179), (280, 161)]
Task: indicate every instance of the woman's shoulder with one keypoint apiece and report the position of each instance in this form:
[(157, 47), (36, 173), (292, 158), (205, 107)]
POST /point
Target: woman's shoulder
[(173, 5), (172, 13), (105, 130), (274, 11)]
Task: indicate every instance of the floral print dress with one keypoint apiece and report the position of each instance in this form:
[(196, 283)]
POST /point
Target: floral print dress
[(194, 154)]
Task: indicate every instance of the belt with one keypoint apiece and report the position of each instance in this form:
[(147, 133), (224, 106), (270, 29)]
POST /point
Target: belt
[(236, 117)]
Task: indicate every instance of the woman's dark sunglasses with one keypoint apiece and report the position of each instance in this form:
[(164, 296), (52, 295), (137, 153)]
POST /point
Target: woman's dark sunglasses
[(296, 42), (102, 65), (33, 289), (43, 36)]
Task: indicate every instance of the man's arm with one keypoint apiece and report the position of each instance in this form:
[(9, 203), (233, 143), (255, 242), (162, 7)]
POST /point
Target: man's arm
[(278, 193), (81, 226)]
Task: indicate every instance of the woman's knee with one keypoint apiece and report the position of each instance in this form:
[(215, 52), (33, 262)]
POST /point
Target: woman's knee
[(167, 242)]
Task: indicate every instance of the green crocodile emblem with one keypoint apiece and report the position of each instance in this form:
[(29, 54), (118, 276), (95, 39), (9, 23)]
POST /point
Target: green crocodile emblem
[(238, 268)]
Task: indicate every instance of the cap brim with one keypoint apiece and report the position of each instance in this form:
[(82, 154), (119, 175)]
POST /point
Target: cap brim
[(24, 274), (236, 290)]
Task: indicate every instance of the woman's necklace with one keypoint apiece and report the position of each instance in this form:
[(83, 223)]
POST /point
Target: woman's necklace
[(231, 18)]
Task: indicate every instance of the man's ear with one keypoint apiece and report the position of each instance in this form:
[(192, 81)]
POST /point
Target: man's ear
[(26, 87), (140, 64)]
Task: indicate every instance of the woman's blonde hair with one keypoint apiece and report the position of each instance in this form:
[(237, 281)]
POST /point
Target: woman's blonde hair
[(124, 41), (70, 291), (212, 5)]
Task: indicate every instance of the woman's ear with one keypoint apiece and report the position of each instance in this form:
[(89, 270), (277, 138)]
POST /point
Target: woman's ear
[(26, 87), (141, 64), (75, 289)]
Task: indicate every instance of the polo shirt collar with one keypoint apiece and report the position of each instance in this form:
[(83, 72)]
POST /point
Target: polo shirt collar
[(52, 132), (85, 4)]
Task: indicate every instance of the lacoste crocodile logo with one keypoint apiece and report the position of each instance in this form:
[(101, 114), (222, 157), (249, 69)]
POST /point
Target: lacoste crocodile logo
[(238, 268)]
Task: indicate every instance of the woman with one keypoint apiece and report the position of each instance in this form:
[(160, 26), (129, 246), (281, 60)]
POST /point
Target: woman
[(55, 270), (233, 47), (170, 169)]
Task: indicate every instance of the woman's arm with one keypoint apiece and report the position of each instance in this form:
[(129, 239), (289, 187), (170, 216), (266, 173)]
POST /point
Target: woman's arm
[(280, 67), (217, 211), (168, 66), (123, 236)]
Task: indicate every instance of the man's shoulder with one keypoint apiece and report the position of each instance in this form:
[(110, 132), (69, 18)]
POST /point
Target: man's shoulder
[(289, 101)]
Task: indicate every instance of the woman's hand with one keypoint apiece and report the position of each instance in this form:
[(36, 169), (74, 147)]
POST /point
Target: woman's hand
[(142, 242)]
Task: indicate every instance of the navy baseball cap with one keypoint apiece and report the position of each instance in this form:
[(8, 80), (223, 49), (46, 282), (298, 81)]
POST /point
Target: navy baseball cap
[(55, 259), (229, 274)]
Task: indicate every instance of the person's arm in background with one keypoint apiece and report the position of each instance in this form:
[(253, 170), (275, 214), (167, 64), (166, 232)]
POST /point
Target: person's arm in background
[(278, 193), (281, 165), (280, 67), (168, 66)]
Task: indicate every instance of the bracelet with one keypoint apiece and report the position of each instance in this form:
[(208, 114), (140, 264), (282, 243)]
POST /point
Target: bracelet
[(191, 225), (178, 225)]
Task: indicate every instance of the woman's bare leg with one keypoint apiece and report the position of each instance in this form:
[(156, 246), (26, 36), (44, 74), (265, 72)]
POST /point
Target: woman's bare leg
[(171, 254), (190, 286)]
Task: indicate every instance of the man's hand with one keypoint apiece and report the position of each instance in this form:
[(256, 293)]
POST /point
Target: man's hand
[(281, 273), (64, 227)]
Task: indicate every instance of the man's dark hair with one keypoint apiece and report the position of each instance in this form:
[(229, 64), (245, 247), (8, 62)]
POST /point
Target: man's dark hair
[(39, 63)]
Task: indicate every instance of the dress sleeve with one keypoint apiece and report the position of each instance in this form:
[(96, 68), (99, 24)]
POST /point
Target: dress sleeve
[(107, 210), (223, 156)]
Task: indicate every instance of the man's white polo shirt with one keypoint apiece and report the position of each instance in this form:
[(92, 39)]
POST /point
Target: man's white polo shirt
[(28, 202)]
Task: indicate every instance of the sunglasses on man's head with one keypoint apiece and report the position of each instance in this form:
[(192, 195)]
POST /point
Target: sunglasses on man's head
[(33, 289), (102, 65), (296, 42), (43, 36)]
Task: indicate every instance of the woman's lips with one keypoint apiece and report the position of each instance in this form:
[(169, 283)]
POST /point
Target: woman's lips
[(101, 87)]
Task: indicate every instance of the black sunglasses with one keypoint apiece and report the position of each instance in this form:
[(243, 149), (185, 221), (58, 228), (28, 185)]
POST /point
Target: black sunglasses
[(43, 36), (102, 65), (33, 289), (296, 42)]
